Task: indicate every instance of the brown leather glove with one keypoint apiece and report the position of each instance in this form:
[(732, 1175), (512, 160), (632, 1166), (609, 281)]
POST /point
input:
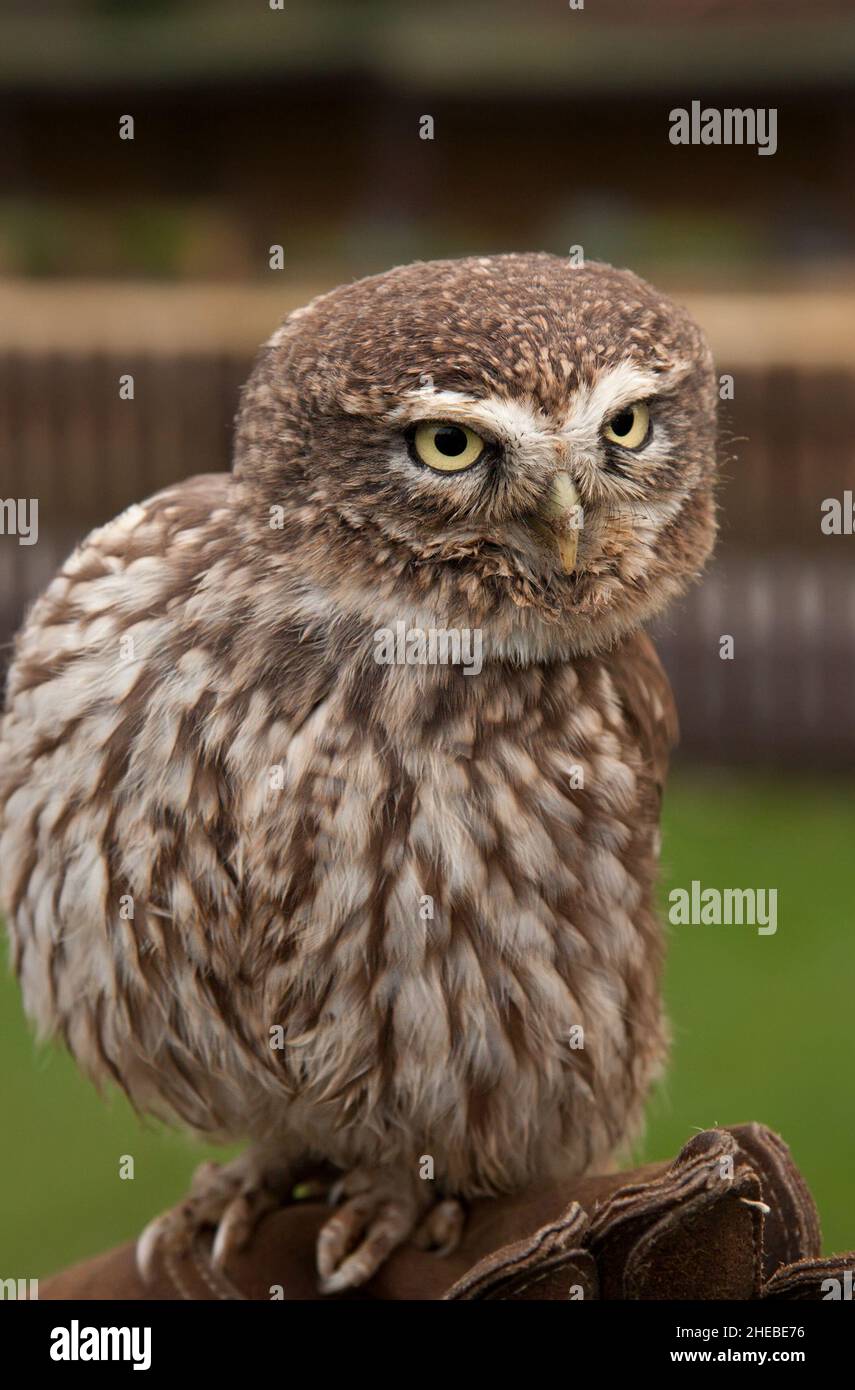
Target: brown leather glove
[(730, 1218)]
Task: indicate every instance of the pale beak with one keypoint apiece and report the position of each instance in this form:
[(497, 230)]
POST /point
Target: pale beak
[(563, 516)]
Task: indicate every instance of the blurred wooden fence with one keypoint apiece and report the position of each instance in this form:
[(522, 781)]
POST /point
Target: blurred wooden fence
[(783, 590)]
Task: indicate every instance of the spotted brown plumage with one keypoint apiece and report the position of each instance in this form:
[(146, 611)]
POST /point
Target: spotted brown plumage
[(374, 913)]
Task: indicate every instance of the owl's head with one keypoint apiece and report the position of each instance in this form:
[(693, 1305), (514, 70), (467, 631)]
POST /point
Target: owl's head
[(512, 442)]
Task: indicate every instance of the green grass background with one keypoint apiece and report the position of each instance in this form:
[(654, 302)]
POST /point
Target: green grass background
[(763, 1030)]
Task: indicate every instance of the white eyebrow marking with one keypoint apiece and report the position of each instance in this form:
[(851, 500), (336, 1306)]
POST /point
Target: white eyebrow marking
[(613, 389), (518, 421), (513, 421)]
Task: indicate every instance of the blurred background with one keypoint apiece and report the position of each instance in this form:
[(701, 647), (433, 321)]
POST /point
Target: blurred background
[(300, 127)]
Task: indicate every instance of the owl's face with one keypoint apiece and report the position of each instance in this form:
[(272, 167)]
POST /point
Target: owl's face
[(510, 442)]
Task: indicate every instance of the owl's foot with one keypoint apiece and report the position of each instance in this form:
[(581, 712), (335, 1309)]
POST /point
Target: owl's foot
[(230, 1197), (380, 1209)]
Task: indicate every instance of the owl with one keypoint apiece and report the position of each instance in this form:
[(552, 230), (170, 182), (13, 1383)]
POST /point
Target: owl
[(283, 865)]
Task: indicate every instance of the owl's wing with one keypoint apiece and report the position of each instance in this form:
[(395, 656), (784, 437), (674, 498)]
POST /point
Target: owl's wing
[(154, 686), (648, 702)]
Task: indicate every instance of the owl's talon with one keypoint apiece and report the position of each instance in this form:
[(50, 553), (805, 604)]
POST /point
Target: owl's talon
[(231, 1198), (336, 1193), (380, 1212), (238, 1222), (374, 1226), (149, 1243), (442, 1228)]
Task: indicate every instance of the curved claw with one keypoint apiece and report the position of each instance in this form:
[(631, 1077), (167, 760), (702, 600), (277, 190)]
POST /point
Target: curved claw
[(238, 1221), (230, 1199), (150, 1241), (442, 1228)]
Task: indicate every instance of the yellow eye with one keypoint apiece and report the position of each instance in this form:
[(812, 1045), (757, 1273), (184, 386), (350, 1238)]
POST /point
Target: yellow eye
[(447, 448), (629, 427)]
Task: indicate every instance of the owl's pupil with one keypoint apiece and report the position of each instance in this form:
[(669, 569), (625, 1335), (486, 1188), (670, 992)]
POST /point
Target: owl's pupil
[(450, 441), (622, 424)]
